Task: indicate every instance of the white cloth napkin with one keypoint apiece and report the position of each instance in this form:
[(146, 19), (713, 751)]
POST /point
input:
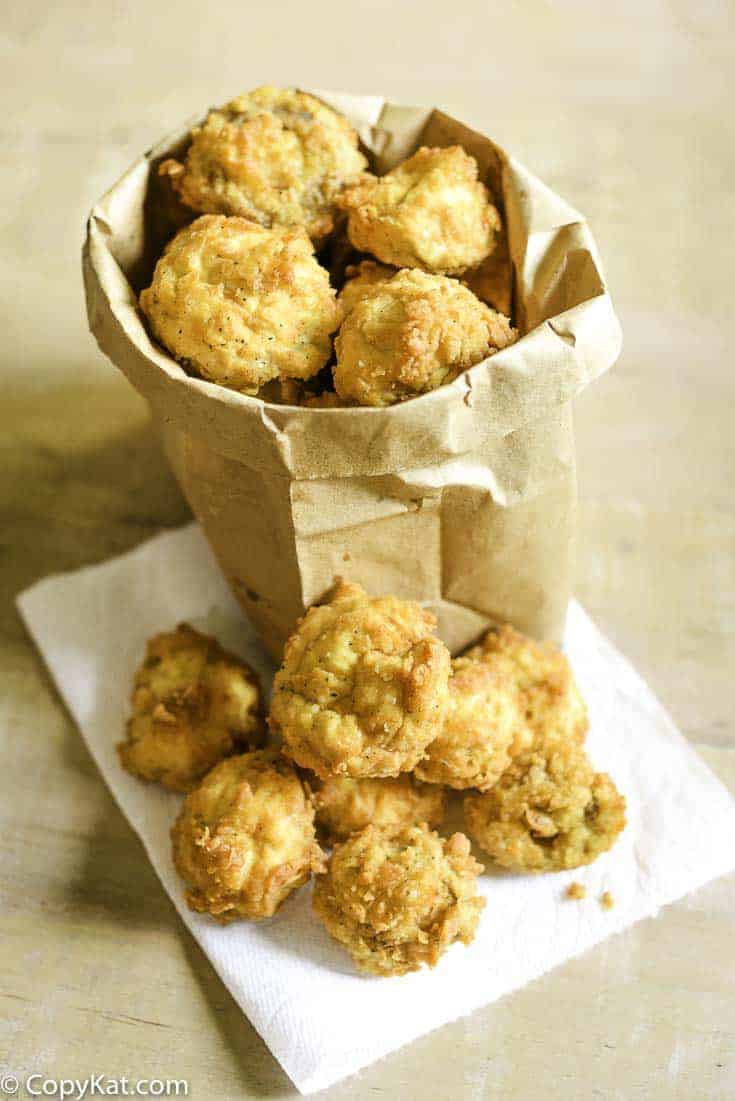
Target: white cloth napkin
[(320, 1019)]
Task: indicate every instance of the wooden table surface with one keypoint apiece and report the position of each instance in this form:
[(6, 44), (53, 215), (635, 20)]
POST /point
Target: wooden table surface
[(624, 109)]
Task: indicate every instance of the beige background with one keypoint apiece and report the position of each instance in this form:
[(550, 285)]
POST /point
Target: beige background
[(628, 115)]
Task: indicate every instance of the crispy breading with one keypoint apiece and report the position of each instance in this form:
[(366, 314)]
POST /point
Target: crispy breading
[(193, 704), (397, 901), (362, 690), (241, 304), (345, 806), (411, 334), (430, 212), (245, 839), (359, 278), (548, 811), (484, 720), (554, 708), (274, 155)]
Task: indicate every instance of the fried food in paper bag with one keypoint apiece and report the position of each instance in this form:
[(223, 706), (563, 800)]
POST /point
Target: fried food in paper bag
[(360, 278), (430, 212), (241, 304), (276, 156), (410, 334)]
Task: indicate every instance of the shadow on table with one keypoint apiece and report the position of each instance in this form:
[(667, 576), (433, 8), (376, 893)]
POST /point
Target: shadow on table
[(82, 477), (68, 501)]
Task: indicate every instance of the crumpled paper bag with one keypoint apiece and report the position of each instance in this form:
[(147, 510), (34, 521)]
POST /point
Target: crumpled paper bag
[(320, 1018), (462, 499)]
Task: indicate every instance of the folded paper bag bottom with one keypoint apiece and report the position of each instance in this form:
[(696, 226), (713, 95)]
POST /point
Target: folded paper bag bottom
[(320, 1019)]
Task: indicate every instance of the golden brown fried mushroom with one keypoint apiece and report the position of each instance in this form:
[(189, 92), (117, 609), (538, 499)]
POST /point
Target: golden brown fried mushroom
[(410, 334), (193, 704), (345, 806), (484, 722), (554, 708), (397, 901), (244, 839), (241, 304), (429, 212), (549, 810), (275, 156), (363, 686), (360, 278)]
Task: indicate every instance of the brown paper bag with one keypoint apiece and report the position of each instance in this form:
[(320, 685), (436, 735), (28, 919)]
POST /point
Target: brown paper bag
[(462, 499)]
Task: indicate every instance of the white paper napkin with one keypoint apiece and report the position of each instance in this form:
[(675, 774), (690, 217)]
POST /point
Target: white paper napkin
[(319, 1018)]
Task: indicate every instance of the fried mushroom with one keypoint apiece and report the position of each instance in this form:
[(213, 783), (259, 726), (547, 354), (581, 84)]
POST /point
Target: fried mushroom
[(276, 156), (241, 304), (410, 334), (345, 806), (549, 811), (362, 690), (360, 277), (397, 901), (193, 704), (543, 677), (245, 839), (483, 724), (429, 212)]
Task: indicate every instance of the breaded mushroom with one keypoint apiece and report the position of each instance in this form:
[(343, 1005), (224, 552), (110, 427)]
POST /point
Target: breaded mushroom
[(397, 901), (193, 704), (484, 721), (411, 334), (242, 305), (362, 690), (430, 212), (345, 806), (550, 810), (275, 156), (554, 708), (245, 839), (360, 277)]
